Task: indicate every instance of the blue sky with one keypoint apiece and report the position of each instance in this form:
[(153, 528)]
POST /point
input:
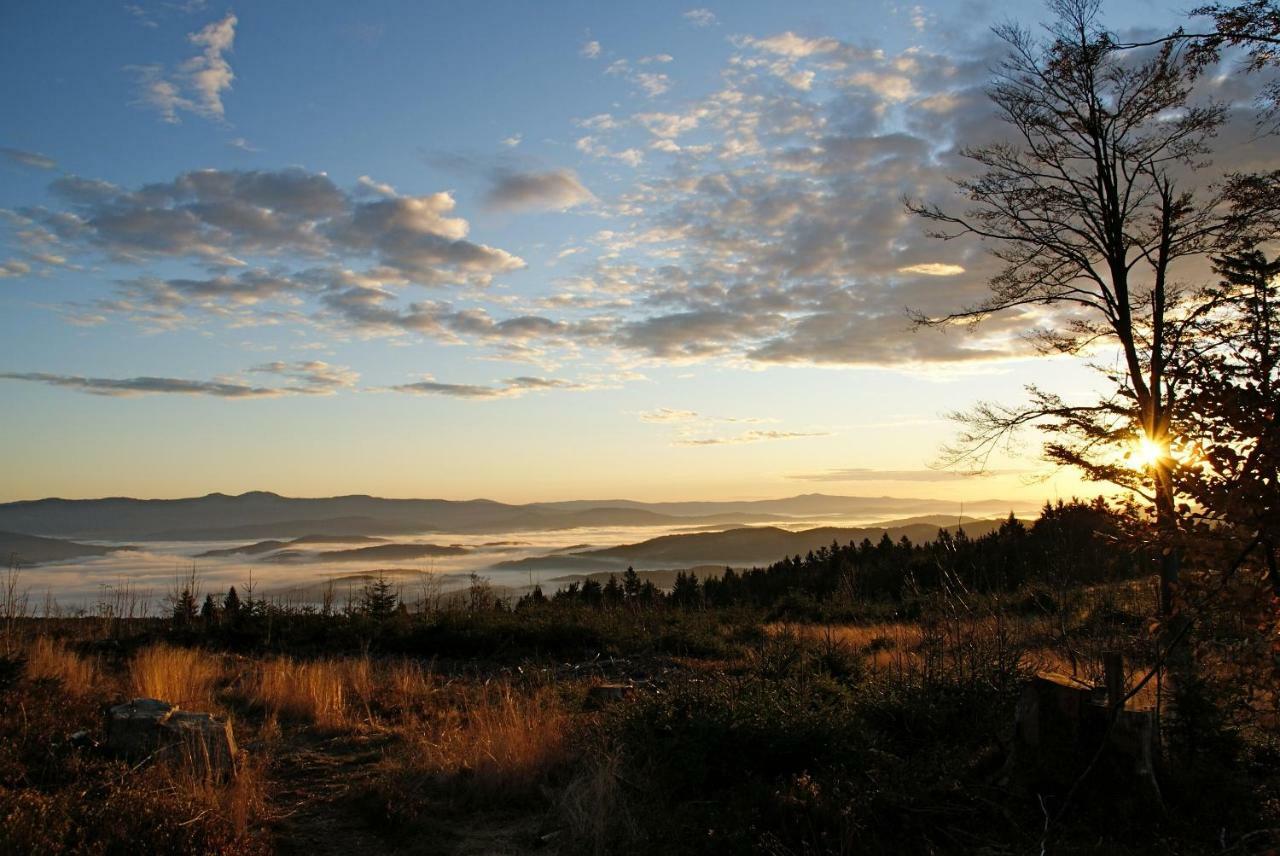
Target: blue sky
[(518, 250)]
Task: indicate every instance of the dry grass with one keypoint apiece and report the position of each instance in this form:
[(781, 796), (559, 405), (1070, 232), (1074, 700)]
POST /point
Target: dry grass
[(340, 693), (48, 659), (238, 800), (501, 739), (407, 687), (183, 676), (316, 692), (594, 806)]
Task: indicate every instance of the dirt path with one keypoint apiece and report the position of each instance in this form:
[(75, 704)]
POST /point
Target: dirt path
[(312, 783), (317, 786)]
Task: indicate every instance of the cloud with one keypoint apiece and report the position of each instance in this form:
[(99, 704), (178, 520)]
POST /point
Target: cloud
[(196, 86), (593, 147), (789, 44), (510, 388), (220, 217), (14, 267), (700, 17), (209, 74), (862, 474), (590, 50), (667, 414), (512, 141), (651, 83), (747, 437), (933, 269), (778, 235), (554, 190), (135, 386), (311, 377), (35, 160), (366, 185)]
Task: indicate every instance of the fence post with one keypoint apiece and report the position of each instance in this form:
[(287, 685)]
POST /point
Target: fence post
[(1113, 667)]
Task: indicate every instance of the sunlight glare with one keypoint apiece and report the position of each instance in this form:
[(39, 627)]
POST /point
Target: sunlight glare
[(1146, 453)]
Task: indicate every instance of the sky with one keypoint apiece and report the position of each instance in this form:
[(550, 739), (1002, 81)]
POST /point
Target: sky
[(523, 251)]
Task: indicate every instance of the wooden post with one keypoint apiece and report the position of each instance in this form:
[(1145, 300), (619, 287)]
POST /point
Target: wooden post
[(1113, 666)]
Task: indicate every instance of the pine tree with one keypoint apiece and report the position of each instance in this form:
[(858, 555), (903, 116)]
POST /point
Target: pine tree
[(209, 612), (184, 608), (379, 598), (631, 584)]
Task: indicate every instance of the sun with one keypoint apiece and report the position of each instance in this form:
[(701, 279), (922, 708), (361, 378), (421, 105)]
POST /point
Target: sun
[(1146, 453)]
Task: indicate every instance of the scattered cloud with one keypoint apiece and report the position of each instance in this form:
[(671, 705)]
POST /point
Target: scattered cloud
[(747, 437), (933, 269), (700, 17), (919, 18), (592, 147), (590, 50), (311, 377), (554, 190), (510, 388), (14, 267), (651, 83), (35, 160), (863, 474), (242, 144), (196, 86), (512, 141), (789, 44), (220, 217), (667, 414), (136, 386)]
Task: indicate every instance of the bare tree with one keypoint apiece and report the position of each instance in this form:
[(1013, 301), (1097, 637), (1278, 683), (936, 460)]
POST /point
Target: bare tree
[(1090, 209), (13, 606)]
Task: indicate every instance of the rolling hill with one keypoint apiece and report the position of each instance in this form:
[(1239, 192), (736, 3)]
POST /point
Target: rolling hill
[(748, 546), (34, 550)]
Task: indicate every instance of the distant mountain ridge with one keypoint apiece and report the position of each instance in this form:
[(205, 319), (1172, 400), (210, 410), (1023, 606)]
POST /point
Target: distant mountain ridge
[(264, 515)]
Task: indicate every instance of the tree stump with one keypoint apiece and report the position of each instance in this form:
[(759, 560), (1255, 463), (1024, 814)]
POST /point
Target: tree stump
[(147, 728), (1060, 725)]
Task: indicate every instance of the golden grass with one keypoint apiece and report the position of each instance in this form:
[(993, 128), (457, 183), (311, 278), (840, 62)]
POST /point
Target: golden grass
[(501, 739), (51, 660), (315, 692), (407, 687), (183, 676), (339, 693), (238, 799)]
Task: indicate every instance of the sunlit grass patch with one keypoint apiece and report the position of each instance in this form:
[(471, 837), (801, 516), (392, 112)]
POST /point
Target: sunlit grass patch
[(47, 659), (187, 677)]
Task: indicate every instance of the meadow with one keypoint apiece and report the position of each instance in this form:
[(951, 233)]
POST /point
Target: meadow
[(838, 723)]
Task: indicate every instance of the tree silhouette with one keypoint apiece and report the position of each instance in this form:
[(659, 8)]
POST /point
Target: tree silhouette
[(209, 611), (379, 598), (231, 604), (184, 607), (1088, 210), (1231, 386)]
